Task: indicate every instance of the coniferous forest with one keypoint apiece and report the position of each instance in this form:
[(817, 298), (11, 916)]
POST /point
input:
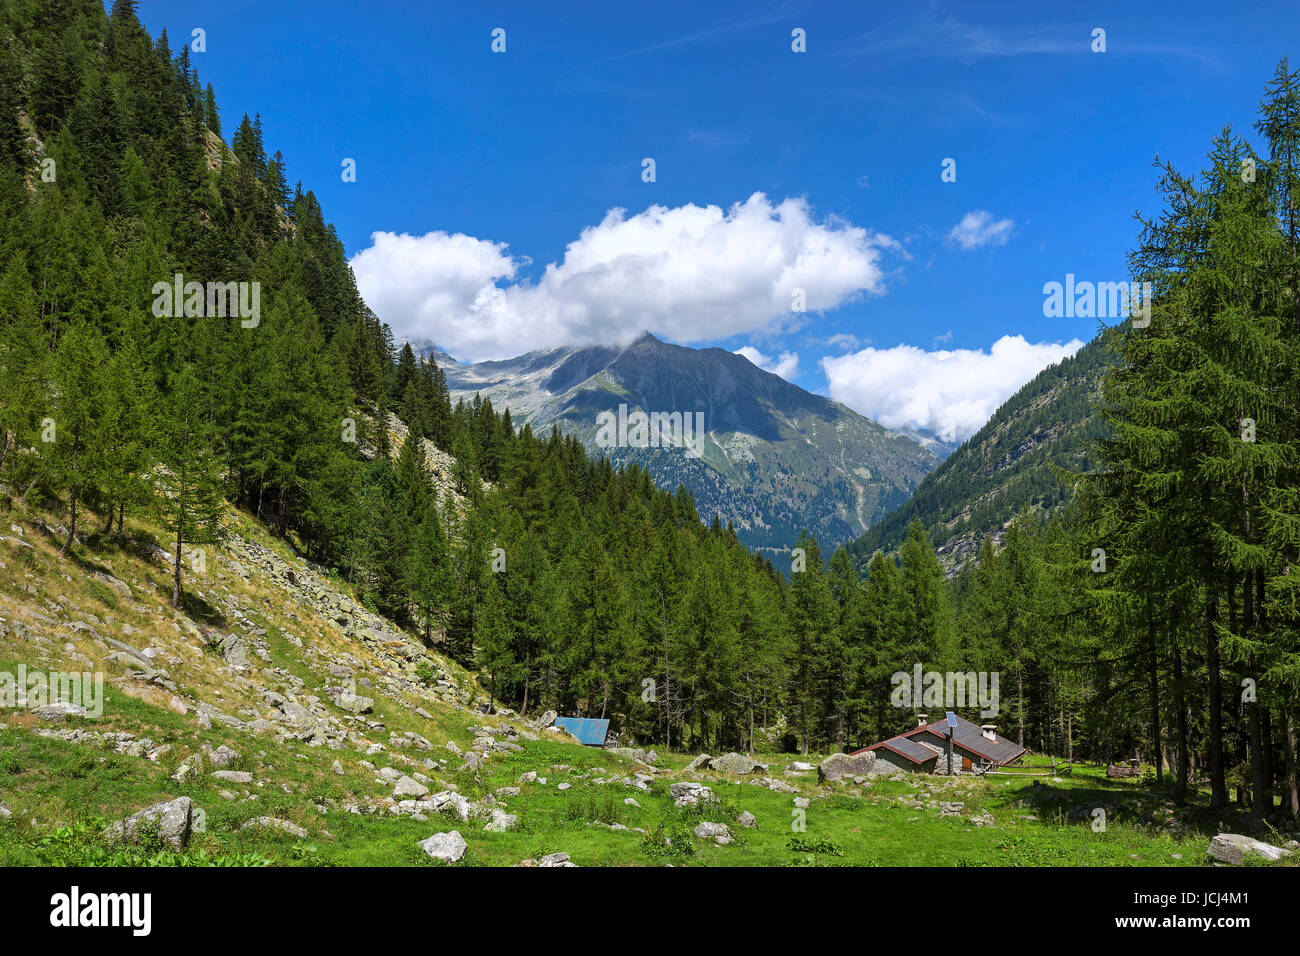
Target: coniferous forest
[(1150, 607)]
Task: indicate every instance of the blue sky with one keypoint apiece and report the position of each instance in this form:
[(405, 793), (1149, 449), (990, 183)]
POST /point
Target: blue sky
[(461, 150)]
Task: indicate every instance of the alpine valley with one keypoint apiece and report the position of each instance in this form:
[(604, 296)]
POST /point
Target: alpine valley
[(775, 460)]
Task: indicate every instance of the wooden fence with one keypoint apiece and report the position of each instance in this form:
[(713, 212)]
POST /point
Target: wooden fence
[(1055, 769)]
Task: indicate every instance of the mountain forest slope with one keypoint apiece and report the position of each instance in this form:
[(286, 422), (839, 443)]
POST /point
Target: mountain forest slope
[(1006, 467)]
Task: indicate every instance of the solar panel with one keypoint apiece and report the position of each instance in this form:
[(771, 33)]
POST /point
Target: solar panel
[(588, 730)]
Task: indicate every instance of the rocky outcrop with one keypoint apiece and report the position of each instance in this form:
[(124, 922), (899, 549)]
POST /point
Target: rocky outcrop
[(719, 833), (448, 847), (845, 765), (1233, 848), (275, 823), (169, 819), (737, 764)]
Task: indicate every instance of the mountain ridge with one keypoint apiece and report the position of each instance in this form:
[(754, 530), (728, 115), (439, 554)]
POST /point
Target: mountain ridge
[(777, 459)]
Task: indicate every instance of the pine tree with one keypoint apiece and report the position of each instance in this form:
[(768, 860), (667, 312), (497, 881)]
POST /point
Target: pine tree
[(191, 498), (72, 440), (429, 577)]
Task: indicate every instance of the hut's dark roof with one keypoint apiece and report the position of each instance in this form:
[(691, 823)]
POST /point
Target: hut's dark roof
[(966, 735)]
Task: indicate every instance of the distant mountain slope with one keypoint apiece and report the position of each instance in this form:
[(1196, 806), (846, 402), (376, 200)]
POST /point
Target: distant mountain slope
[(776, 459), (1004, 467)]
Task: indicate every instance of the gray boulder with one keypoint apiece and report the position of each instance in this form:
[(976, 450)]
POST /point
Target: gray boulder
[(735, 763), (275, 823), (719, 833), (501, 821), (354, 704), (699, 762), (556, 859), (845, 765), (223, 756), (448, 847), (1233, 848), (407, 787), (233, 776), (448, 802), (687, 794), (171, 818)]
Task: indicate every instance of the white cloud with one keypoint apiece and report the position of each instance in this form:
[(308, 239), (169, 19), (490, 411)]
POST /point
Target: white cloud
[(690, 273), (786, 364), (950, 392), (977, 228), (846, 340)]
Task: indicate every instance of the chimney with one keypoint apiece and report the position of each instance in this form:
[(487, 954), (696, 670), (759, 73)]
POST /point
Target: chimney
[(920, 720), (989, 731)]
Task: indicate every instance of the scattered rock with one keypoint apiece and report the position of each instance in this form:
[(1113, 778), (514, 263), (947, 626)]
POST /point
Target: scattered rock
[(688, 793), (501, 821), (735, 763), (59, 711), (719, 833), (353, 703), (407, 787), (275, 823), (223, 756), (699, 762), (233, 776), (448, 847), (171, 818), (556, 859), (1233, 848), (846, 765)]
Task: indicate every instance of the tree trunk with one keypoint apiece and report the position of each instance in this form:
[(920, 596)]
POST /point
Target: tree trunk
[(176, 566), (72, 521), (1020, 694), (1291, 783), (1180, 706), (1156, 749), (1218, 788)]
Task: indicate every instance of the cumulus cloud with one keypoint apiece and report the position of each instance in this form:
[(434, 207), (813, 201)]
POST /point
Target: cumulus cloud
[(786, 364), (950, 392), (690, 273), (977, 228)]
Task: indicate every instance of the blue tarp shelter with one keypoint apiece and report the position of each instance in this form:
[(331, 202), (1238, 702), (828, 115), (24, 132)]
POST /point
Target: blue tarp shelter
[(588, 730)]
